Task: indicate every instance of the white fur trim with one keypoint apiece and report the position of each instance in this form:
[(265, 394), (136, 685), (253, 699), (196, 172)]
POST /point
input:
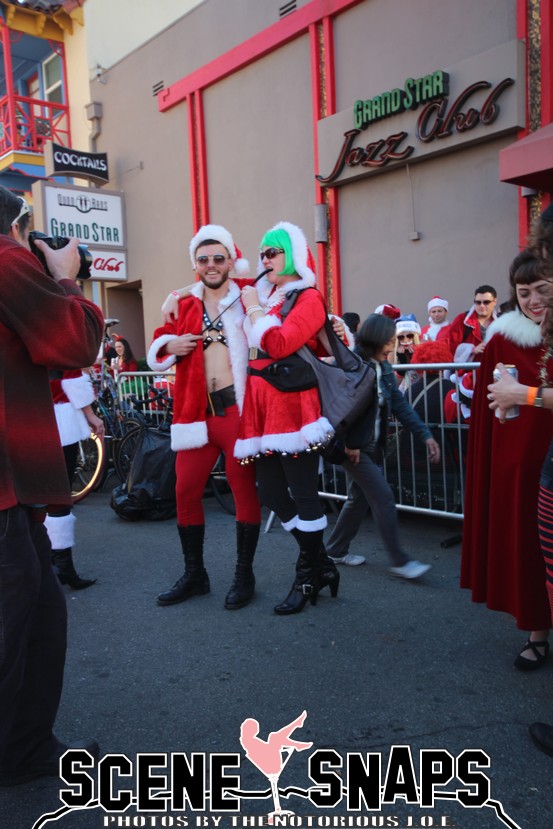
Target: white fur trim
[(312, 526), (517, 328), (299, 251), (407, 325), (463, 353), (165, 362), (61, 531), (260, 327), (78, 390), (350, 339), (224, 237), (72, 424), (188, 435), (290, 442), (291, 524)]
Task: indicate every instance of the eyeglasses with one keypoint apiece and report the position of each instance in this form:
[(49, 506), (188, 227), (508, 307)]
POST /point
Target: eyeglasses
[(270, 253), (483, 301), (23, 212), (406, 336), (217, 259)]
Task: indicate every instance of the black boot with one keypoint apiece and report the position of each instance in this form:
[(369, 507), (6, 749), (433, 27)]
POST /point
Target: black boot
[(243, 586), (62, 562), (306, 583), (195, 581), (327, 572), (326, 569)]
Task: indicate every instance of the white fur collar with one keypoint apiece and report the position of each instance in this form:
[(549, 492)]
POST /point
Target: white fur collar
[(264, 287), (233, 293), (516, 327)]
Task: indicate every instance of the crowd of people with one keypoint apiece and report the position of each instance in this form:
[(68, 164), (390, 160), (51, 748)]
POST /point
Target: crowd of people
[(241, 389)]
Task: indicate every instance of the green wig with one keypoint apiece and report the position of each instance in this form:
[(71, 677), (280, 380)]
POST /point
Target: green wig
[(281, 239)]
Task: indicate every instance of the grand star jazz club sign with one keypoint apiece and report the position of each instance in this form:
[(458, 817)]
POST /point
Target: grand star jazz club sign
[(445, 110)]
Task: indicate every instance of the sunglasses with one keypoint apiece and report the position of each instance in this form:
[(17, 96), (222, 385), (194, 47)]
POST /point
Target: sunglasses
[(406, 336), (217, 259), (270, 253), (483, 301)]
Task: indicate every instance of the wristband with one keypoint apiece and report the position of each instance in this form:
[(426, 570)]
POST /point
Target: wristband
[(253, 308), (531, 395)]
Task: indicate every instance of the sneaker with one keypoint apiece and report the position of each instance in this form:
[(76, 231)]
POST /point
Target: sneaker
[(412, 570), (348, 558)]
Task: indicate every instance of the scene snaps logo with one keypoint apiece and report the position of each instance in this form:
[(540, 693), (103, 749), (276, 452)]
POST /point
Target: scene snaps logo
[(204, 790)]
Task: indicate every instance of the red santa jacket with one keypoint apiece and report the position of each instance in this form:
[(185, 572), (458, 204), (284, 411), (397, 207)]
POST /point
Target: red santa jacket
[(43, 323), (189, 429), (465, 328)]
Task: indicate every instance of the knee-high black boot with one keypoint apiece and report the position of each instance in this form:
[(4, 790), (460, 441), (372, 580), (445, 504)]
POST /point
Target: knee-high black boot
[(327, 571), (242, 588), (306, 584), (195, 581), (62, 562), (61, 532)]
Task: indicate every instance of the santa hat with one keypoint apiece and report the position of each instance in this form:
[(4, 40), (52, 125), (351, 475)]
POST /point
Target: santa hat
[(463, 394), (389, 311), (408, 322), (222, 235), (304, 263), (438, 302)]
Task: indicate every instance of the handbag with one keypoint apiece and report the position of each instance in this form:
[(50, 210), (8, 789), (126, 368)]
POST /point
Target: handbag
[(289, 374), (347, 386)]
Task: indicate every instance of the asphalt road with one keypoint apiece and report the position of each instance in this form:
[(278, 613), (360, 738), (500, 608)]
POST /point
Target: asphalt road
[(387, 663)]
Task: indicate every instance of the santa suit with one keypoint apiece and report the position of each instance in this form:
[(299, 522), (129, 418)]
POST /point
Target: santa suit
[(501, 560), (204, 436), (465, 329), (275, 421), (431, 331)]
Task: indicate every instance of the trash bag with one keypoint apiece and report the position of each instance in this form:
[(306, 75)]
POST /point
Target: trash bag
[(149, 491)]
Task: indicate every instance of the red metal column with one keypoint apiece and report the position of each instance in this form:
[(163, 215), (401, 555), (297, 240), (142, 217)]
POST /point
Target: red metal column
[(196, 222), (202, 158)]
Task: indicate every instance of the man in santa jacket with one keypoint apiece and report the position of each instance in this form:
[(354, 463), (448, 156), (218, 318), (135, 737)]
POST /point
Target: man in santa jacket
[(467, 333), (437, 321), (207, 344)]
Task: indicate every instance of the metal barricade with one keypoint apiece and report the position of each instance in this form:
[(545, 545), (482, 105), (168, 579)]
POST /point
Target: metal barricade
[(419, 486), (138, 385)]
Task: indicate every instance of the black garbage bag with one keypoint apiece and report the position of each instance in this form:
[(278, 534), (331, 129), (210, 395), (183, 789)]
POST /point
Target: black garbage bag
[(149, 491)]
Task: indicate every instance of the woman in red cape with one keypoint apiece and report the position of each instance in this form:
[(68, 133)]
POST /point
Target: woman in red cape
[(502, 562)]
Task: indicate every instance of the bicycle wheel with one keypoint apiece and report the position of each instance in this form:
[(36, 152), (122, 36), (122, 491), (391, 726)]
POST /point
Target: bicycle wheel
[(220, 488), (90, 469), (123, 451)]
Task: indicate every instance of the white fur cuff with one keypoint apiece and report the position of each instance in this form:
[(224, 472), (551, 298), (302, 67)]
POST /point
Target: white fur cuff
[(259, 327), (79, 391), (61, 531), (166, 361), (188, 435)]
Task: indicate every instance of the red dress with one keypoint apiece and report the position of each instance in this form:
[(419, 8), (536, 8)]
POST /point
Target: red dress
[(502, 561), (275, 421)]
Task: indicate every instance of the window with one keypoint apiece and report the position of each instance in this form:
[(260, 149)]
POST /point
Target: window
[(52, 74)]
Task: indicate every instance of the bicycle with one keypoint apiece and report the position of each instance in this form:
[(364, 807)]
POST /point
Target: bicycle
[(95, 457)]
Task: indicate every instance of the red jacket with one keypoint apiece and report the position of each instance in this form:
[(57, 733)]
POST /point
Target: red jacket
[(465, 328), (43, 324)]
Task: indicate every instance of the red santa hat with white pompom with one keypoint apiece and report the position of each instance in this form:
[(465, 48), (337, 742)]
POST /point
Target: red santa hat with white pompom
[(220, 234)]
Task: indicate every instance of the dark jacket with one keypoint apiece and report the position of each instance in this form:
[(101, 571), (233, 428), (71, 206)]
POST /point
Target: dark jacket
[(361, 435)]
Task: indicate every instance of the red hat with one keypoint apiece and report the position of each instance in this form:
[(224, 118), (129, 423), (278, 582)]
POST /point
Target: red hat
[(389, 311)]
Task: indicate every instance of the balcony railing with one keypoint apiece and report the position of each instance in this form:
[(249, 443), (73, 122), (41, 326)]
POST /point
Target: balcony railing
[(34, 122)]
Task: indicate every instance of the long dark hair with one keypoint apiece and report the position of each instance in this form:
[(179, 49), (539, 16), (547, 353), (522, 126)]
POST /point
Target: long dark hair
[(127, 353), (373, 334)]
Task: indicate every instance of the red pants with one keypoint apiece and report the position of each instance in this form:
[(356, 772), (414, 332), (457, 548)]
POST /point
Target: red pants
[(194, 465)]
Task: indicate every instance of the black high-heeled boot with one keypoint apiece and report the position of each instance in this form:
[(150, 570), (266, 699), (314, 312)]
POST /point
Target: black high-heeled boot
[(194, 581), (62, 562), (306, 584), (242, 588), (327, 571), (329, 575)]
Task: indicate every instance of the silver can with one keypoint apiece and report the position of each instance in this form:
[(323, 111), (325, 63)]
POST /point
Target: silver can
[(510, 414)]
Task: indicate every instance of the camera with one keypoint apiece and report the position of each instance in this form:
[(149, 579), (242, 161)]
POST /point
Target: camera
[(57, 242)]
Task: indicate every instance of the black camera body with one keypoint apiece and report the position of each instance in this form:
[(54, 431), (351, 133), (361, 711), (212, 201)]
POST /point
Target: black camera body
[(57, 242)]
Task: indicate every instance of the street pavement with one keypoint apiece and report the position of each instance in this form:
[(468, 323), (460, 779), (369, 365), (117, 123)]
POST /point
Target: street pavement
[(386, 663)]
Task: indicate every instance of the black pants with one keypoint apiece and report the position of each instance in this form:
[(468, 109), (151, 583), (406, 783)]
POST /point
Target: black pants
[(289, 487), (33, 634)]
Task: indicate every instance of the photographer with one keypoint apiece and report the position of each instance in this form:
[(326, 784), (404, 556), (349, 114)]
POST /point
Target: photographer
[(44, 322)]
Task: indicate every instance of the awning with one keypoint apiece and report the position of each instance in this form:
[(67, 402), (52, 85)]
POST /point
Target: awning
[(529, 162)]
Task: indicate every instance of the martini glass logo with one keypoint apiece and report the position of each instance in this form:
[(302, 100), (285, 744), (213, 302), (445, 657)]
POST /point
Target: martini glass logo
[(271, 755)]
